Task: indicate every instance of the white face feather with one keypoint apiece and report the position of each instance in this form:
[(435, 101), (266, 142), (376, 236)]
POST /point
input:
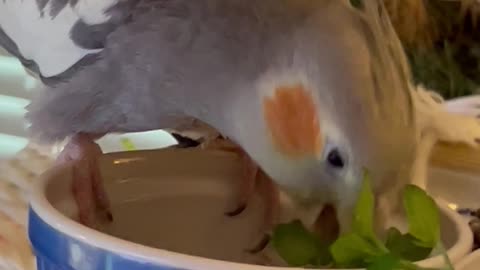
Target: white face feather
[(268, 83), (46, 40), (288, 172)]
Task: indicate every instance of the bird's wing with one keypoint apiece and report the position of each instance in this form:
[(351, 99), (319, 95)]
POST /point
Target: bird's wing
[(50, 36)]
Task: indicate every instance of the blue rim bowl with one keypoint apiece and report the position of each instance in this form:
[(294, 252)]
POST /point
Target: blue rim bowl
[(61, 243)]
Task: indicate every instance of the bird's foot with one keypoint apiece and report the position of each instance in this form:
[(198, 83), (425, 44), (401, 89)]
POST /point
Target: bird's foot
[(90, 196), (250, 170), (270, 195), (253, 178)]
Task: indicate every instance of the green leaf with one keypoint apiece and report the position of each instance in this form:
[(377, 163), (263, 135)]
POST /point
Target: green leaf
[(385, 262), (423, 216), (324, 258), (351, 249), (296, 245), (363, 213), (405, 246)]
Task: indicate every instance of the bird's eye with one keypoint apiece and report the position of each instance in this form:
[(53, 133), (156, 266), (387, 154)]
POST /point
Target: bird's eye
[(335, 159)]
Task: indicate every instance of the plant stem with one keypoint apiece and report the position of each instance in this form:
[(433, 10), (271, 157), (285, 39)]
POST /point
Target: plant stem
[(445, 257)]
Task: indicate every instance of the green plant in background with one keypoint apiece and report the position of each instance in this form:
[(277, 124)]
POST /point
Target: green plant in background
[(442, 41), (441, 71), (361, 248)]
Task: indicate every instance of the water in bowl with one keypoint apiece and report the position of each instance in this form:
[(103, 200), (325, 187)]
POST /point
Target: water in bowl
[(190, 224), (195, 224)]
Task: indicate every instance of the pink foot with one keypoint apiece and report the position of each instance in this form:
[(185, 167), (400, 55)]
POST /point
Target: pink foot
[(271, 198), (254, 178), (82, 152), (247, 186)]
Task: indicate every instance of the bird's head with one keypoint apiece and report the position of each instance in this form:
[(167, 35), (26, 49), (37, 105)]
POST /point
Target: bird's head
[(339, 105), (317, 145)]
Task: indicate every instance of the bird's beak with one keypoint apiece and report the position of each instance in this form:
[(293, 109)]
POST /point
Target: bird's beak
[(333, 221), (327, 226), (327, 219)]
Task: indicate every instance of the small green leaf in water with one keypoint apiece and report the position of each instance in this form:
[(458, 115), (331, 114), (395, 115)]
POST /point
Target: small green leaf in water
[(363, 214), (351, 249), (296, 245), (405, 247), (423, 216)]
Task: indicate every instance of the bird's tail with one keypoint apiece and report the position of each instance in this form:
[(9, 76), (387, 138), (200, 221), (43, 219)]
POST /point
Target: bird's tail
[(468, 106), (83, 104)]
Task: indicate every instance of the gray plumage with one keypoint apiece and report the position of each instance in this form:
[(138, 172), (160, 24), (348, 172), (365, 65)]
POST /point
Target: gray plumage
[(171, 54)]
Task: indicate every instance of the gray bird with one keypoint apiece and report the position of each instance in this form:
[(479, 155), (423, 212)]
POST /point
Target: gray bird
[(309, 91)]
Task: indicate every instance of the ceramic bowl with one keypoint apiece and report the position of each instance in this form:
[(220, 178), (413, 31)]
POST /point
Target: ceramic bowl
[(470, 262), (169, 210), (459, 189)]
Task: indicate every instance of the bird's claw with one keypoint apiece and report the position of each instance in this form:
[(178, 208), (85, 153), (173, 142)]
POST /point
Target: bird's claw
[(253, 177), (212, 143), (261, 245), (237, 211), (185, 142)]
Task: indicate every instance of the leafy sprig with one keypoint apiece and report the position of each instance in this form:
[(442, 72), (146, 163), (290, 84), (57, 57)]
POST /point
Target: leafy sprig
[(361, 248)]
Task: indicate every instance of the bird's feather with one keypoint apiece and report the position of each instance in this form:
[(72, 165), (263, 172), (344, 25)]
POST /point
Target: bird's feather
[(52, 37), (173, 60)]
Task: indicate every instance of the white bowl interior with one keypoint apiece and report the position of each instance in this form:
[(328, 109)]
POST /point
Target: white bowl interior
[(175, 200), (470, 262), (458, 188), (177, 206)]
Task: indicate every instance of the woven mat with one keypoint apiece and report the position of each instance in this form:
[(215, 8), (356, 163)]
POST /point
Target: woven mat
[(16, 177)]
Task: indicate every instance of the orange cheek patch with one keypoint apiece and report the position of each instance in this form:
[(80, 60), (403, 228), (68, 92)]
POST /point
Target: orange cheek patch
[(292, 120)]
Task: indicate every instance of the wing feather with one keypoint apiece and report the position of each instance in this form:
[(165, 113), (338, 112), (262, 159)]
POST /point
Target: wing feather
[(54, 35)]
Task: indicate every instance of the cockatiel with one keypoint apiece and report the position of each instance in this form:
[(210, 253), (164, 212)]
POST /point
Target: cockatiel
[(309, 91)]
